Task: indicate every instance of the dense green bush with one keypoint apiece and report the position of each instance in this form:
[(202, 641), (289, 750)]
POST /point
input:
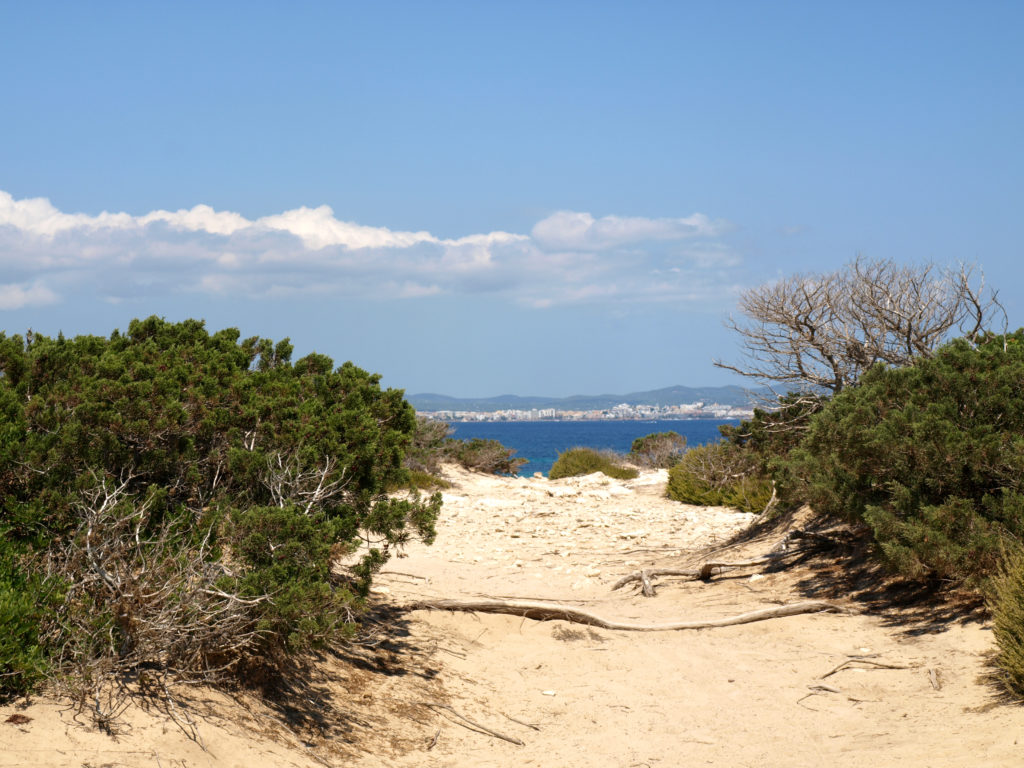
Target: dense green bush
[(659, 450), (930, 457), (720, 475), (584, 461), (183, 500), (23, 661)]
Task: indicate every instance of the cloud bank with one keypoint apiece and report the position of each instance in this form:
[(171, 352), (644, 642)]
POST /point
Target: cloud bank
[(569, 257)]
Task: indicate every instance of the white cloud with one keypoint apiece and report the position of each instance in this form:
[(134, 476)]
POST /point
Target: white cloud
[(572, 230), (570, 257), (318, 228), (16, 296), (201, 218)]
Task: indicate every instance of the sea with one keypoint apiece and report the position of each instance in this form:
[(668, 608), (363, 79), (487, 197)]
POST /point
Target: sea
[(540, 442)]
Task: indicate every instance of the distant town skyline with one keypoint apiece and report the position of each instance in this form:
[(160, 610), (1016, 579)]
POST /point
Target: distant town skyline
[(482, 198), (621, 412)]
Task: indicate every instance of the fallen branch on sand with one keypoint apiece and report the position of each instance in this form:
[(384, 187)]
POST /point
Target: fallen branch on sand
[(540, 611), (704, 573), (706, 570)]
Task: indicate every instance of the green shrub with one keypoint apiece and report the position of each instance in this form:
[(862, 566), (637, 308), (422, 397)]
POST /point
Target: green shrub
[(720, 475), (429, 446), (432, 446), (584, 461), (1006, 602), (659, 450), (191, 494), (929, 457), (482, 455), (773, 433), (23, 658)]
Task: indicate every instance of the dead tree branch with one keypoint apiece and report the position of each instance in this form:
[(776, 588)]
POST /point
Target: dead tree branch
[(704, 572), (142, 602), (289, 483), (820, 332), (542, 611)]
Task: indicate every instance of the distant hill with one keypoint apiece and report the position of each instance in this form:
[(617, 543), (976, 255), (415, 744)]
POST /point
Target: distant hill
[(678, 395)]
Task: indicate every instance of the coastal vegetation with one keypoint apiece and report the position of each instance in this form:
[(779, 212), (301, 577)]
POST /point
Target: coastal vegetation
[(1006, 604), (910, 435), (720, 475), (432, 446), (930, 457), (659, 450), (481, 455), (179, 504), (585, 461)]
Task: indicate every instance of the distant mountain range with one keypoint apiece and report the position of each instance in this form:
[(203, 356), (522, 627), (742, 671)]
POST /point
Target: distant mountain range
[(678, 395)]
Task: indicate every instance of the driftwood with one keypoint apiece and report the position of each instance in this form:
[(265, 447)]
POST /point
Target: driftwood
[(645, 584), (541, 611), (704, 572), (711, 568)]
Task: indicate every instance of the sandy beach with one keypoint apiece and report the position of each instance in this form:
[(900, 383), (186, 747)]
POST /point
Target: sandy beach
[(440, 688)]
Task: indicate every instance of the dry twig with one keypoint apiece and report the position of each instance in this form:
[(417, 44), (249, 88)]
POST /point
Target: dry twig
[(860, 660), (472, 725)]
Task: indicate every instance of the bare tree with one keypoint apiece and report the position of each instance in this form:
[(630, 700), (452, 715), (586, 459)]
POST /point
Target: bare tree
[(820, 332)]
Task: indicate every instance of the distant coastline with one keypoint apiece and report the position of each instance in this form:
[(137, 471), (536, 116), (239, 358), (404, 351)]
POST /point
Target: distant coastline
[(671, 403), (621, 412)]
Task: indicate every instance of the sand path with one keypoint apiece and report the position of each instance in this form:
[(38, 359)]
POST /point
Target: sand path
[(734, 696), (579, 697)]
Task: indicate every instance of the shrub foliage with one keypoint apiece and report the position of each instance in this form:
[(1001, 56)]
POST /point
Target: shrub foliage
[(179, 500), (585, 461), (483, 455), (429, 447), (659, 450), (720, 475), (432, 446), (930, 457)]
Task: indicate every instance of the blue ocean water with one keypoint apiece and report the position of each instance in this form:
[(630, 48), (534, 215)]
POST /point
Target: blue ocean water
[(540, 442)]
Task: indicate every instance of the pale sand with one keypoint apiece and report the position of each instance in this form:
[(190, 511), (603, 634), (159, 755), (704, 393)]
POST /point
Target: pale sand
[(729, 697)]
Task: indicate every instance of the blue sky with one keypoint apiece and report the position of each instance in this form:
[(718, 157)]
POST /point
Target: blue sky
[(479, 198)]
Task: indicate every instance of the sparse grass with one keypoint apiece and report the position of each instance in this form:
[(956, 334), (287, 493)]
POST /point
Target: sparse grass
[(424, 481), (1006, 602)]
